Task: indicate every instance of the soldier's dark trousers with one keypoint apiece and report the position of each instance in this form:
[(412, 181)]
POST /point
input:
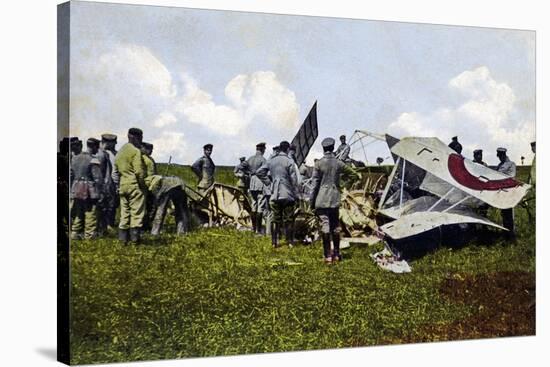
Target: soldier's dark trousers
[(179, 199), (330, 227)]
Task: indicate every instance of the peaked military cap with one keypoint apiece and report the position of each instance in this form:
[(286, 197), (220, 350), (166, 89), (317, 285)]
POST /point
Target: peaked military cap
[(242, 159), (455, 137), (260, 145), (207, 146), (74, 139), (533, 143), (342, 136), (284, 145), (147, 145), (109, 137), (276, 147), (92, 141), (501, 150), (327, 142), (135, 131), (478, 151)]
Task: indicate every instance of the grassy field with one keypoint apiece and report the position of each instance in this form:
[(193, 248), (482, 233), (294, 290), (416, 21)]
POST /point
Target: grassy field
[(220, 291)]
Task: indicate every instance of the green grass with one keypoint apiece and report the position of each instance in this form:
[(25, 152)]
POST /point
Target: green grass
[(220, 292)]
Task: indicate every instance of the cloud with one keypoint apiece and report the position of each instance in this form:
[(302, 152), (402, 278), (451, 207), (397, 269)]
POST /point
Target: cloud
[(118, 86), (483, 117)]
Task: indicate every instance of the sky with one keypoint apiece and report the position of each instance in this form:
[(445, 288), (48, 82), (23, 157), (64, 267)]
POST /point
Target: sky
[(188, 77)]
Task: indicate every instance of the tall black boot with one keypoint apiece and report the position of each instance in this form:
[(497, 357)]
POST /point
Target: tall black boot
[(336, 253), (274, 234), (253, 220), (259, 222), (123, 235), (135, 235), (326, 247)]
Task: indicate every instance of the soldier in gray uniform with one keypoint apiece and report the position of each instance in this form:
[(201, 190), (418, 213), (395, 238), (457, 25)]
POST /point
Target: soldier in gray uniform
[(165, 190), (325, 197), (283, 192), (342, 153), (204, 169), (86, 190), (478, 157), (507, 167), (257, 187), (110, 200), (242, 172)]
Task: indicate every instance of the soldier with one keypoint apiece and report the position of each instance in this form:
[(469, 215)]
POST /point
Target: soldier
[(150, 172), (325, 197), (455, 145), (242, 172), (204, 168), (256, 187), (478, 157), (110, 200), (129, 174), (283, 195), (63, 188), (76, 146), (533, 172), (166, 189), (342, 153), (86, 190), (507, 167)]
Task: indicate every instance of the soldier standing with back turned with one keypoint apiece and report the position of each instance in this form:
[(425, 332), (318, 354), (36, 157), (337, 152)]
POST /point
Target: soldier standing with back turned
[(110, 201), (204, 169), (325, 197), (256, 187), (129, 173), (86, 191)]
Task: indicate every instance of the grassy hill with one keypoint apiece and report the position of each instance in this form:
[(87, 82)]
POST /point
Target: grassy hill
[(220, 291)]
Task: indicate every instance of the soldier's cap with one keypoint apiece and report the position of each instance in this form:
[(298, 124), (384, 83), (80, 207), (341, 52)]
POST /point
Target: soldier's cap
[(242, 159), (207, 146), (533, 143), (276, 147), (74, 139), (501, 150), (284, 145), (260, 145), (342, 136), (92, 141), (478, 151), (455, 137), (108, 137), (327, 142), (147, 146), (135, 131)]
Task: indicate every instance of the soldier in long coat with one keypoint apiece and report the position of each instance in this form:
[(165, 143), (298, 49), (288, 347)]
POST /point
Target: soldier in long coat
[(204, 169), (507, 167), (129, 175), (325, 197), (110, 201), (86, 191), (283, 192), (257, 187)]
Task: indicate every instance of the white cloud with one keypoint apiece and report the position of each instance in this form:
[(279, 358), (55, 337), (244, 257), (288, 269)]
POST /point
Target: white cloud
[(484, 117), (119, 86), (165, 119)]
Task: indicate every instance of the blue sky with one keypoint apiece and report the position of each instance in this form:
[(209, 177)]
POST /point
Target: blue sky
[(188, 77)]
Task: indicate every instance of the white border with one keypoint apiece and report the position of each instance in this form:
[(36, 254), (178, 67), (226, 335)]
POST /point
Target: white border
[(28, 115)]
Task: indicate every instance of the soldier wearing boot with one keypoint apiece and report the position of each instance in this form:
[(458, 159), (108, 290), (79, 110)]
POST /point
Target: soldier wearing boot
[(204, 169), (256, 187), (109, 204), (325, 197), (129, 174), (507, 167), (86, 191), (166, 190), (150, 172), (283, 192)]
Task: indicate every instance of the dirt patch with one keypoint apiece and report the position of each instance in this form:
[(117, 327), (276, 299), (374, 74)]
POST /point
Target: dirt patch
[(503, 303)]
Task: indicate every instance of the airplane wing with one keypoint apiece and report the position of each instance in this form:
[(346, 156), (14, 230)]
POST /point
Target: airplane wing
[(483, 183)]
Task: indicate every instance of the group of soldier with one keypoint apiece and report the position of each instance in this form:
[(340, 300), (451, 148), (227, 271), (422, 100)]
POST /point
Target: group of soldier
[(506, 166), (101, 179)]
